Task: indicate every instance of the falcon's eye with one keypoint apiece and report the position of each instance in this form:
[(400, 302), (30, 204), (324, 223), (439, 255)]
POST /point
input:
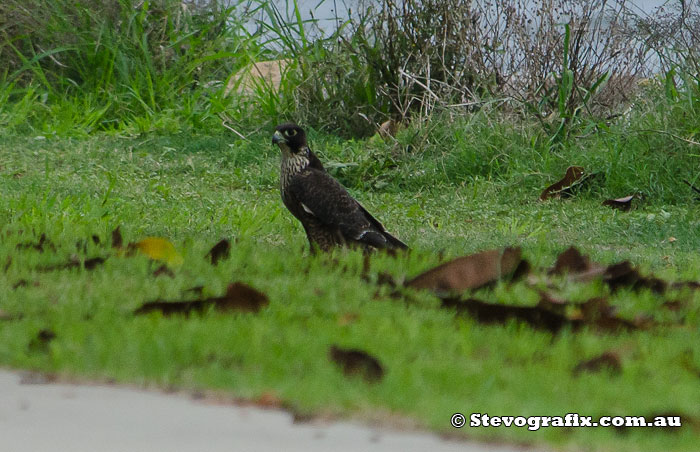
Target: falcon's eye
[(290, 132)]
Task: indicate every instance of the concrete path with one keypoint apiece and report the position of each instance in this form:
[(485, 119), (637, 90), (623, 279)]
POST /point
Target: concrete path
[(64, 417)]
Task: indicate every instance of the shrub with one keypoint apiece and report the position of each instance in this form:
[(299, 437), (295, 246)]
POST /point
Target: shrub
[(122, 61)]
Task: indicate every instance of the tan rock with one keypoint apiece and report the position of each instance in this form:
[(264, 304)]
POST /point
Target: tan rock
[(268, 73)]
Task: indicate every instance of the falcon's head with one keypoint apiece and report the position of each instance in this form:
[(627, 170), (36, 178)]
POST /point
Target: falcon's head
[(290, 137)]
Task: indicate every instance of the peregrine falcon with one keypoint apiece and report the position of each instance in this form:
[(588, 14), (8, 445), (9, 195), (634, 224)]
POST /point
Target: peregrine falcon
[(330, 216)]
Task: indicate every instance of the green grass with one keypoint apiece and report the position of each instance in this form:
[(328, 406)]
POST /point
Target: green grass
[(451, 190)]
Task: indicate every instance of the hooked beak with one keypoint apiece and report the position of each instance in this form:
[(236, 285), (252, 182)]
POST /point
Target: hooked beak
[(277, 138)]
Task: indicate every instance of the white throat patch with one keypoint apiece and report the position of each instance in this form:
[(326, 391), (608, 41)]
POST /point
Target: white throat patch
[(292, 164)]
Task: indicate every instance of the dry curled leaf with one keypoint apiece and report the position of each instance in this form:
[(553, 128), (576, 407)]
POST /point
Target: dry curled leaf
[(607, 360), (39, 246), (673, 305), (550, 314), (616, 276), (24, 283), (93, 262), (388, 129), (242, 297), (40, 343), (74, 262), (624, 275), (470, 272), (238, 297), (219, 251), (538, 317), (571, 261), (163, 270), (357, 362), (117, 241), (624, 204), (692, 285), (574, 175), (598, 313)]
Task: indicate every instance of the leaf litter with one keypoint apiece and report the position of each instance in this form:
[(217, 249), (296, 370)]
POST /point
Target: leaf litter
[(357, 362), (469, 272), (624, 204), (220, 251), (574, 178), (39, 245), (452, 281), (239, 297), (605, 361)]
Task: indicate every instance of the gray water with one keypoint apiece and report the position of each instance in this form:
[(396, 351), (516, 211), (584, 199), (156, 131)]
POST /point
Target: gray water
[(326, 13), (322, 17)]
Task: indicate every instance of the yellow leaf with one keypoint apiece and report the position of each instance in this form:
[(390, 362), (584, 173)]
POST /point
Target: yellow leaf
[(159, 249)]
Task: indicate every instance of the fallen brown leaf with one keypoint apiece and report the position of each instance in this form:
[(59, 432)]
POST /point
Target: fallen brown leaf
[(620, 203), (39, 246), (550, 314), (238, 297), (574, 175), (117, 240), (163, 270), (538, 317), (357, 362), (93, 262), (24, 283), (384, 278), (673, 305), (607, 360), (572, 261), (469, 272), (693, 285), (388, 129), (40, 343), (242, 297), (219, 251), (46, 335), (74, 262), (599, 314), (624, 275)]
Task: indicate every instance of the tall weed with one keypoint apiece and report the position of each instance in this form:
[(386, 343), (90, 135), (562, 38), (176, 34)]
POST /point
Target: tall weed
[(120, 60)]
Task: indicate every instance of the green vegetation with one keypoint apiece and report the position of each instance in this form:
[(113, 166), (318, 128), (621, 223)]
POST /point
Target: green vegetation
[(124, 122)]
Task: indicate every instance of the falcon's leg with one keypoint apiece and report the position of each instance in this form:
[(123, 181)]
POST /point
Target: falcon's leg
[(321, 237)]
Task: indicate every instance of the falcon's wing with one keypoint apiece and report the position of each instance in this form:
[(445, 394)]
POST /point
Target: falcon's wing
[(329, 202)]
